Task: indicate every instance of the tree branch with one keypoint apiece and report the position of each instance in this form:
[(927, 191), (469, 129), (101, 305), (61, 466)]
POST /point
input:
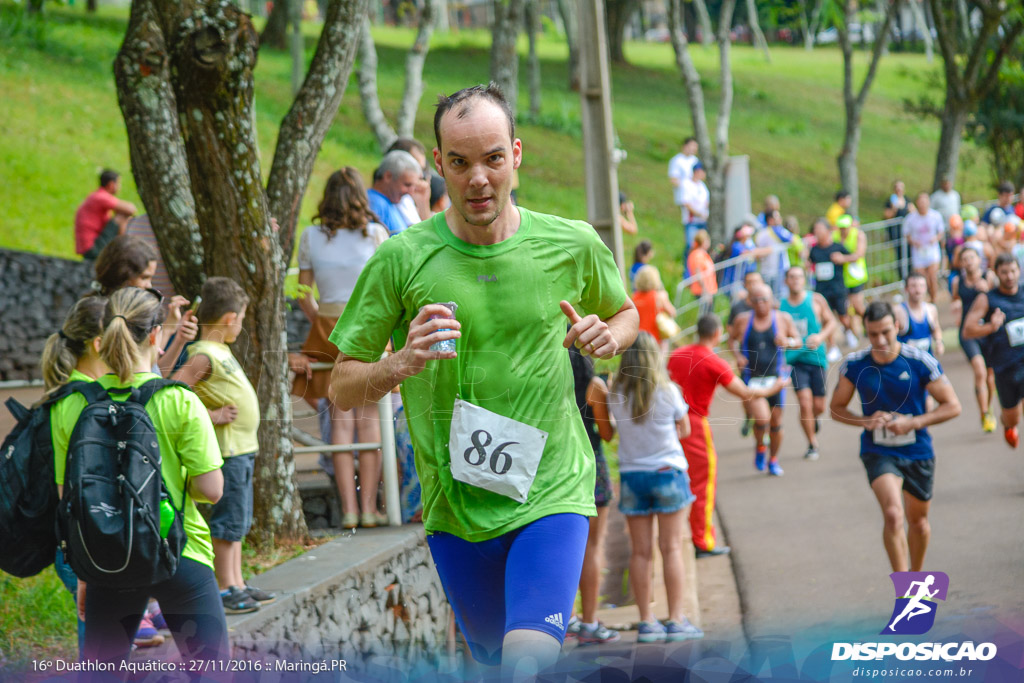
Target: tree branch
[(691, 79), (366, 75), (881, 40), (306, 123), (414, 61)]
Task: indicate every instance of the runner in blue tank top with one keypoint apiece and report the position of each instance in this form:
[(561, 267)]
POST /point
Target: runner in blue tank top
[(966, 285), (893, 381), (757, 340), (998, 317), (918, 320), (815, 323)]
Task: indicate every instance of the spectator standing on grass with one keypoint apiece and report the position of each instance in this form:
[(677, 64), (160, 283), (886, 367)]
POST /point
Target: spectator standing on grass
[(651, 301), (702, 267), (399, 174), (771, 205), (219, 381), (591, 398), (839, 207), (627, 214), (897, 206), (101, 217), (415, 206), (946, 201), (696, 205), (924, 230), (651, 418), (643, 252), (332, 254), (680, 168)]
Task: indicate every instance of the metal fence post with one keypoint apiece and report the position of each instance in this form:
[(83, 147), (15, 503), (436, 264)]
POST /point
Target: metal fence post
[(389, 459)]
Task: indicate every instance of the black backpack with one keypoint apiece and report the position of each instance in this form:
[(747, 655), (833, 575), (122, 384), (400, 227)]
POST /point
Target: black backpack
[(28, 492), (109, 517)]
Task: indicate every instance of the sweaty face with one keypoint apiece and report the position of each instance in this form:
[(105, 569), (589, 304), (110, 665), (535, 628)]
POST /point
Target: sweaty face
[(477, 159), (882, 334), (1008, 274), (795, 280), (916, 289)]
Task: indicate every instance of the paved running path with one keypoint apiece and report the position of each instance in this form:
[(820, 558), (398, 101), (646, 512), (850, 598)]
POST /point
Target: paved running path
[(807, 547)]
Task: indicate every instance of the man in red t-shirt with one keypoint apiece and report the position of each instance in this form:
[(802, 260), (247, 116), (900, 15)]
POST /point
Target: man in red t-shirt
[(699, 371), (102, 216)]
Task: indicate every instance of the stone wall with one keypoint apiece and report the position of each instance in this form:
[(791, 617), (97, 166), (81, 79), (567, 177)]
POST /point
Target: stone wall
[(366, 596), (35, 294)]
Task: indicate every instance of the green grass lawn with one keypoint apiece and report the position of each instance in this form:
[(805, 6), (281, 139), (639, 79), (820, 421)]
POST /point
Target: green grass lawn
[(62, 124), (37, 621)]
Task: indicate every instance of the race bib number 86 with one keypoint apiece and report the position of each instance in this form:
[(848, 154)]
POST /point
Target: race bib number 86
[(493, 452)]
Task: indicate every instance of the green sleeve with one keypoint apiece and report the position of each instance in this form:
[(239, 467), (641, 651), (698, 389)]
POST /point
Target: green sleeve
[(63, 416), (375, 309), (603, 291), (196, 443)]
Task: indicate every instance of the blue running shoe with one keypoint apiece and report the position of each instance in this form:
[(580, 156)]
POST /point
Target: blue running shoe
[(773, 469), (650, 632), (682, 630), (759, 459)]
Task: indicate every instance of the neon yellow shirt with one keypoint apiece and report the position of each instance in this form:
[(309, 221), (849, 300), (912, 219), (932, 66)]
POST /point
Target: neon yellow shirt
[(510, 357), (856, 273), (187, 444), (228, 385)]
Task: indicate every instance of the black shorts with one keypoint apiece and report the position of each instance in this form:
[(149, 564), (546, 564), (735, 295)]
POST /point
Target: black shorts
[(1010, 387), (808, 376), (971, 347), (774, 400), (232, 514), (836, 301), (917, 475), (856, 290)]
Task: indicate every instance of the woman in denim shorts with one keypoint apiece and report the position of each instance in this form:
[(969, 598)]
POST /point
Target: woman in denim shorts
[(651, 418)]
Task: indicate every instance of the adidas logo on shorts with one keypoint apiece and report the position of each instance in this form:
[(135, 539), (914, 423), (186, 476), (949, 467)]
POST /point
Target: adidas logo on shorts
[(555, 619)]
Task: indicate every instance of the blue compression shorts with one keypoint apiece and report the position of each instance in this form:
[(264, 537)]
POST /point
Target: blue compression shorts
[(524, 579)]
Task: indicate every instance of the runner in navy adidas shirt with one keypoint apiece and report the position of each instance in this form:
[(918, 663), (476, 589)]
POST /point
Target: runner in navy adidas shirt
[(893, 381)]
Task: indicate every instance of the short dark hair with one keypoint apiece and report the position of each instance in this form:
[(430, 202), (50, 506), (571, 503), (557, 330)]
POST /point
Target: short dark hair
[(708, 325), (643, 248), (490, 92), (689, 139), (823, 221), (1003, 259), (220, 295), (1004, 187), (108, 176), (792, 268), (877, 310), (842, 194), (913, 276), (407, 145)]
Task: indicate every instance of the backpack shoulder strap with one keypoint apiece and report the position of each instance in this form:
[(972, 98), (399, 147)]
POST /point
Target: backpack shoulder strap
[(93, 391), (147, 390)]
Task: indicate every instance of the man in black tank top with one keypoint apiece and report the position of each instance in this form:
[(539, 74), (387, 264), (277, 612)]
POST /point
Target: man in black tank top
[(998, 316), (758, 340)]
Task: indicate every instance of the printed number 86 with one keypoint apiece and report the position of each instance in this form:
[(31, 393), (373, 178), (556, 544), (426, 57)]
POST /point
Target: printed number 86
[(476, 455)]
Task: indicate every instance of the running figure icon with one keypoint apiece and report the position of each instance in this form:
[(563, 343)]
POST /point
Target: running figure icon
[(916, 606)]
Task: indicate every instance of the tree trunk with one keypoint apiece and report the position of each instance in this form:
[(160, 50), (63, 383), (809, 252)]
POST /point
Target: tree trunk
[(367, 77), (532, 17), (414, 62), (854, 102), (295, 43), (441, 11), (570, 21), (185, 83), (35, 7), (954, 117), (755, 28), (715, 158), (707, 33), (617, 15), (508, 17), (91, 5), (921, 24), (275, 33), (810, 25)]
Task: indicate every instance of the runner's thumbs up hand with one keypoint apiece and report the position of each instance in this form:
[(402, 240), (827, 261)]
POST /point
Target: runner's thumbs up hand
[(590, 334)]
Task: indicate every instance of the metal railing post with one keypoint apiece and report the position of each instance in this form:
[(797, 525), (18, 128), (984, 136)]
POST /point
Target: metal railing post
[(389, 459)]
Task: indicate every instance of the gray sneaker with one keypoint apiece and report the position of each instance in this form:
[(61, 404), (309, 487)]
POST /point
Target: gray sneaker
[(682, 630), (237, 601), (811, 454), (650, 632), (599, 635)]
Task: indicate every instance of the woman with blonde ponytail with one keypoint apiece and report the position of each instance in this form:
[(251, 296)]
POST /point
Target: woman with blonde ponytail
[(73, 352), (652, 419), (188, 447)]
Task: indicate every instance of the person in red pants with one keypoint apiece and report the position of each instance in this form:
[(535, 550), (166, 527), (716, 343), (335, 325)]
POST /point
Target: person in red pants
[(698, 371)]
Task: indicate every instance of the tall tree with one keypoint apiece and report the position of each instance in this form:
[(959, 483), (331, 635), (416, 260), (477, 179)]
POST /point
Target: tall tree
[(998, 122), (415, 59), (184, 78), (971, 62), (707, 33), (570, 21), (755, 28), (275, 32), (809, 23), (714, 157), (532, 19), (853, 102), (617, 16), (508, 17)]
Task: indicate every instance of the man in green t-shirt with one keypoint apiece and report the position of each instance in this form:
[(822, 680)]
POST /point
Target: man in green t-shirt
[(505, 464)]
